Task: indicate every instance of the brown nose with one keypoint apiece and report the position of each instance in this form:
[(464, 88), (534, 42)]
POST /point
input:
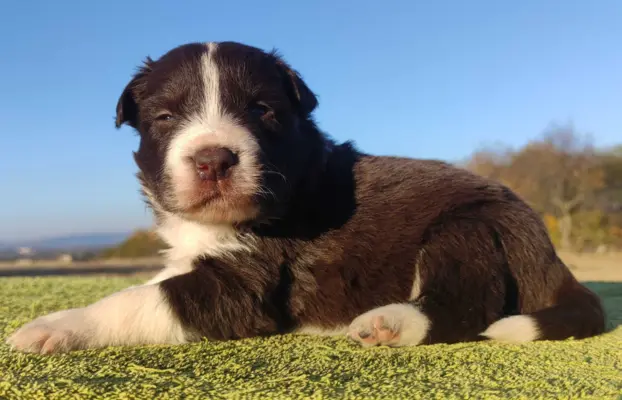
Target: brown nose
[(214, 163)]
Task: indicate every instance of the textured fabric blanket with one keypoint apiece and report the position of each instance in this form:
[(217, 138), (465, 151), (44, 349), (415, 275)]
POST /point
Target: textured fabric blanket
[(289, 367)]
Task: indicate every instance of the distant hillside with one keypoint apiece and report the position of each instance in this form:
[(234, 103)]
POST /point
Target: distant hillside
[(142, 243), (70, 242)]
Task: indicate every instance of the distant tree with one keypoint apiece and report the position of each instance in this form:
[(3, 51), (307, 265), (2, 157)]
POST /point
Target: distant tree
[(491, 162), (612, 167), (558, 174)]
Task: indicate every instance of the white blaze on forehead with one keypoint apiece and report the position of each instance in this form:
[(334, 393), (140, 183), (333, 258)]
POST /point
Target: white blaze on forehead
[(212, 109), (210, 127)]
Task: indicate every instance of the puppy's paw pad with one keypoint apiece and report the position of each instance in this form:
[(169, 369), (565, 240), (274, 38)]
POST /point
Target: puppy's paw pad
[(29, 339), (43, 336), (392, 325), (43, 339), (373, 331)]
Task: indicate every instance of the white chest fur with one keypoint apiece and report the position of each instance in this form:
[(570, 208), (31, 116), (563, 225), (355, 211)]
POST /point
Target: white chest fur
[(189, 240)]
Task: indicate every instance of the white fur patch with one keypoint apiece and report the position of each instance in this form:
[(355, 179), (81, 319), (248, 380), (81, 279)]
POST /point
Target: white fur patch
[(514, 329), (189, 239), (135, 316), (170, 271), (317, 331), (211, 127), (415, 291), (393, 325)]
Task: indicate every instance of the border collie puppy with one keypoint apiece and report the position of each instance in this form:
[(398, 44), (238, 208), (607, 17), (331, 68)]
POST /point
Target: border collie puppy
[(274, 228)]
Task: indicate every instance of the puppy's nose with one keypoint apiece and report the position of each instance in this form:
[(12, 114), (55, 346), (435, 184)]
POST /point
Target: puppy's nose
[(213, 163)]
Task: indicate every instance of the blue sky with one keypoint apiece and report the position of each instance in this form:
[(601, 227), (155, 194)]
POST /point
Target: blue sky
[(433, 79)]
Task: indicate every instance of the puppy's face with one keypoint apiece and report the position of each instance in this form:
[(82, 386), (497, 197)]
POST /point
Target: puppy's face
[(222, 131)]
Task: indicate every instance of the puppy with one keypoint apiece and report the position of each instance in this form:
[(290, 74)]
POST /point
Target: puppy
[(274, 228)]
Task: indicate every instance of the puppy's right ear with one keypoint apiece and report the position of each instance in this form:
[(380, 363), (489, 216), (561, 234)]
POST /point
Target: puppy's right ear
[(127, 106)]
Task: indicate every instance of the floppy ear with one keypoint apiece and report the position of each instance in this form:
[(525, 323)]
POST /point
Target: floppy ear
[(127, 106), (298, 90)]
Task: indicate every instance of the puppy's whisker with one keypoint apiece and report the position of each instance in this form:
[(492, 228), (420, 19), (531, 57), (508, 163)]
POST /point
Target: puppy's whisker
[(266, 192), (278, 174)]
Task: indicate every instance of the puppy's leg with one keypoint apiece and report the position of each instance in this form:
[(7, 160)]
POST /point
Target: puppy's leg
[(460, 287), (134, 316), (138, 314), (213, 300)]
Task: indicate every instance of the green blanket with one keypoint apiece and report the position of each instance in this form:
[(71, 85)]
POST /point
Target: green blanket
[(298, 366)]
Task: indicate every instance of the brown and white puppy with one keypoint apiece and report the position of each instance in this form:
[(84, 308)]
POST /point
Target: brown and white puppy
[(274, 228)]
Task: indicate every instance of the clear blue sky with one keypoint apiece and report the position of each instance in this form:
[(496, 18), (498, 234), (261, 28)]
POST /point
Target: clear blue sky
[(432, 79)]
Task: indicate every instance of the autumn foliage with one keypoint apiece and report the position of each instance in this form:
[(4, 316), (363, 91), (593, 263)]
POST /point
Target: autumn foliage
[(574, 186)]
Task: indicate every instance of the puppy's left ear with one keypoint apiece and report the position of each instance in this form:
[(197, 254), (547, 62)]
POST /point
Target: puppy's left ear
[(298, 90), (127, 105)]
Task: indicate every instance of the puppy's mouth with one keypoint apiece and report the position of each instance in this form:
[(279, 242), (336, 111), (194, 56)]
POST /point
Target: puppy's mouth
[(215, 185), (216, 200)]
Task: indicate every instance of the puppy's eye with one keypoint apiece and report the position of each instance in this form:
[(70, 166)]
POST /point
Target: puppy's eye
[(164, 117), (261, 110)]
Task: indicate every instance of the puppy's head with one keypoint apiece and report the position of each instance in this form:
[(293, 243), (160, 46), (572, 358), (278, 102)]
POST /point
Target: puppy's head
[(225, 131)]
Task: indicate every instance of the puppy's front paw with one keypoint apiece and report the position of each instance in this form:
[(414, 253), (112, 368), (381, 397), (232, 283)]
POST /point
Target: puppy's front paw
[(59, 332), (392, 325)]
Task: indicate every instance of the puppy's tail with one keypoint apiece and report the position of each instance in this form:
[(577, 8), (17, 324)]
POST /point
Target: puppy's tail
[(578, 314)]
